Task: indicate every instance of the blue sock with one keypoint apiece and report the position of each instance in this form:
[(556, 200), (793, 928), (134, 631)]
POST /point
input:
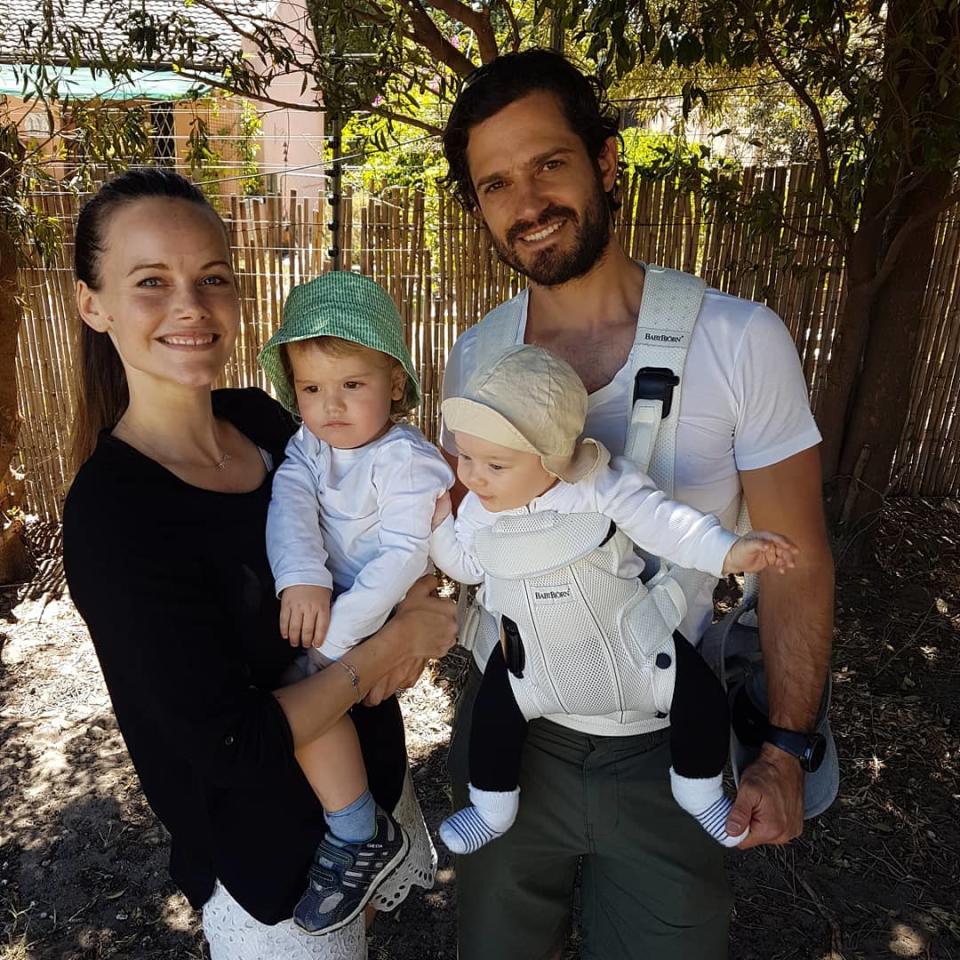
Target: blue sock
[(356, 822)]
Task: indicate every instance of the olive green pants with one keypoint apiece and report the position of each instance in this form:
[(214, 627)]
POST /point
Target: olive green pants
[(653, 885)]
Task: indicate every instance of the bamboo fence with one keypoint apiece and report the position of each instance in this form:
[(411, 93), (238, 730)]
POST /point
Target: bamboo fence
[(439, 267)]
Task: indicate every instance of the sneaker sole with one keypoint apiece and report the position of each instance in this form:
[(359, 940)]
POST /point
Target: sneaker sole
[(388, 872)]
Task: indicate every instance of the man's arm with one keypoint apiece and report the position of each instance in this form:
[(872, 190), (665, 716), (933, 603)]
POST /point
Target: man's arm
[(796, 632)]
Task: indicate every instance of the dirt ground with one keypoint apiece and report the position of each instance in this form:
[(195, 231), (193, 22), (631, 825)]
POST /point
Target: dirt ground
[(83, 861)]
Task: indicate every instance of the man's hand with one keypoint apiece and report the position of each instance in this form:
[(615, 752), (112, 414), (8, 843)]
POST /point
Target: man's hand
[(404, 674), (769, 800), (304, 615)]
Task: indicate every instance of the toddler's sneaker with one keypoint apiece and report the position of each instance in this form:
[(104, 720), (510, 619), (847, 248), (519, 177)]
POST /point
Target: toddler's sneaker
[(345, 875)]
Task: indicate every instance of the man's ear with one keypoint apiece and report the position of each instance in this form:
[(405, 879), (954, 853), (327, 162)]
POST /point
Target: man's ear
[(607, 163), (477, 215), (88, 306)]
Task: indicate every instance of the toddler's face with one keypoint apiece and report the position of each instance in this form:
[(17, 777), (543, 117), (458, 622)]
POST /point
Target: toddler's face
[(502, 478), (345, 400)]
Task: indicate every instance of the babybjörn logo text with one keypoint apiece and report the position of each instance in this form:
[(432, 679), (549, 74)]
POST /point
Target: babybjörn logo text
[(662, 338), (558, 594)]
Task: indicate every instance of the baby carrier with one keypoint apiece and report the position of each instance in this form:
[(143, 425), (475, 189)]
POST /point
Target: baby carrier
[(595, 643)]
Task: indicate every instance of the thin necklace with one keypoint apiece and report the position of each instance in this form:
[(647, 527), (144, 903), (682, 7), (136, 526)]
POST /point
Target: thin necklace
[(217, 464)]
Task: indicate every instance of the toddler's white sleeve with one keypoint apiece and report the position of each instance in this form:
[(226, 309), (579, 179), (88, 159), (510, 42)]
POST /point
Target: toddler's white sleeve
[(294, 540), (408, 478)]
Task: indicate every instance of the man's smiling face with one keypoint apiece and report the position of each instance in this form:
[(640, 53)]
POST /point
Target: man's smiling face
[(540, 195)]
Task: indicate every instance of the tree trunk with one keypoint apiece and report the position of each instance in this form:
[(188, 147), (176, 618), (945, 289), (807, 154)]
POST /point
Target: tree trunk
[(880, 393), (13, 558)]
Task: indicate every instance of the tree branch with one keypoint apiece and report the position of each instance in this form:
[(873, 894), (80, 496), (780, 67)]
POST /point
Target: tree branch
[(429, 36), (261, 20), (317, 107), (514, 26), (477, 20), (823, 148), (410, 121), (889, 262)]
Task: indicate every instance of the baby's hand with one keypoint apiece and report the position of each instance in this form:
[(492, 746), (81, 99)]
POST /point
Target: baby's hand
[(442, 509), (758, 550), (304, 615)]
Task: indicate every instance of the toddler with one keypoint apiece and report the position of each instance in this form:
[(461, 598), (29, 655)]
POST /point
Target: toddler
[(517, 430), (350, 515)]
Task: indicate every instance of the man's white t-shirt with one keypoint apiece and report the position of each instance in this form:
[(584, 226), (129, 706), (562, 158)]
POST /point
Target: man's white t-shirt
[(744, 406)]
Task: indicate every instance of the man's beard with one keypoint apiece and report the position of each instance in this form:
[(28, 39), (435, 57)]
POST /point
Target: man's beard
[(553, 266)]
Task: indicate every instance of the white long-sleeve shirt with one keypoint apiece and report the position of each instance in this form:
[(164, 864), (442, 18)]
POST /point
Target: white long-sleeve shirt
[(622, 493), (357, 521)]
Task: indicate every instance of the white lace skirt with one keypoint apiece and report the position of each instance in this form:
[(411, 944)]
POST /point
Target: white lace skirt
[(234, 935)]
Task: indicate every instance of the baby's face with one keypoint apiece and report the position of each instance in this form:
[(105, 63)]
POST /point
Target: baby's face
[(345, 401), (503, 479)]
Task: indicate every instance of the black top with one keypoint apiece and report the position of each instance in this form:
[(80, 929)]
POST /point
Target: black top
[(174, 584)]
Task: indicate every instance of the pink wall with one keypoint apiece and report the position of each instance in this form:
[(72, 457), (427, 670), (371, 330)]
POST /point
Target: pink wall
[(293, 138)]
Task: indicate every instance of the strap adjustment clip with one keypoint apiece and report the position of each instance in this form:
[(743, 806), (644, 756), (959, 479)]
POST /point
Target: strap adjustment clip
[(656, 383)]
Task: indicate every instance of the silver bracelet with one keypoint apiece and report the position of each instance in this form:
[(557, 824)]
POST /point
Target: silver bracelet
[(354, 677)]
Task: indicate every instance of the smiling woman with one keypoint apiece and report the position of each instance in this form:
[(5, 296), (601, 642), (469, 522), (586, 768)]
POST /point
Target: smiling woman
[(165, 298), (165, 557)]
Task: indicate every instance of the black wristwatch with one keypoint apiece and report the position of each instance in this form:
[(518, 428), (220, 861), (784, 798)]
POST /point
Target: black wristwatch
[(808, 748)]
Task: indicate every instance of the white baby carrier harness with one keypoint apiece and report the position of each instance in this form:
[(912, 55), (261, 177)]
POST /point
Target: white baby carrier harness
[(595, 644)]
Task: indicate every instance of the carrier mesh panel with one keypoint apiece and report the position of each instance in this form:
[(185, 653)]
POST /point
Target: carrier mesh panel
[(590, 637), (524, 546)]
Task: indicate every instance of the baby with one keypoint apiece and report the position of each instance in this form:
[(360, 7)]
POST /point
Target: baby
[(517, 430), (350, 514)]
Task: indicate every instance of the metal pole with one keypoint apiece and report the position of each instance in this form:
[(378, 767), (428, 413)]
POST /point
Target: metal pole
[(335, 187)]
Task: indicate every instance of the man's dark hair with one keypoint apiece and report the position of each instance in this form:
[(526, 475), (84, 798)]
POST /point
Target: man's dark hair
[(511, 77)]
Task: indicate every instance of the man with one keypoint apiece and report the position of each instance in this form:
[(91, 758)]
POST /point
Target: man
[(533, 153)]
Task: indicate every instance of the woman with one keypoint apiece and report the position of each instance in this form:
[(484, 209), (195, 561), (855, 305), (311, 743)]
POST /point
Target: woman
[(165, 559)]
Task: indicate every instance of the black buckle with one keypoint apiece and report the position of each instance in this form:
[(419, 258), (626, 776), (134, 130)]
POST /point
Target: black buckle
[(656, 383), (515, 655)]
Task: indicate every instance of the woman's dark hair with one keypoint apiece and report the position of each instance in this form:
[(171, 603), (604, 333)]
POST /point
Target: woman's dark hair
[(101, 385), (511, 77)]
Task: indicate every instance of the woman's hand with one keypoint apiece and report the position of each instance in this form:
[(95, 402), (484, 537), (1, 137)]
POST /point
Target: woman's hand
[(401, 677), (426, 625)]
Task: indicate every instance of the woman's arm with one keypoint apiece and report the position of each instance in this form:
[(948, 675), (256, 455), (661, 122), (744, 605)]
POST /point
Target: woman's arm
[(172, 661), (423, 627)]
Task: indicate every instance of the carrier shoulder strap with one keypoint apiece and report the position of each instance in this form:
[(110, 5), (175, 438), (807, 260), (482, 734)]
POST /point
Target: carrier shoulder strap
[(498, 331), (668, 313)]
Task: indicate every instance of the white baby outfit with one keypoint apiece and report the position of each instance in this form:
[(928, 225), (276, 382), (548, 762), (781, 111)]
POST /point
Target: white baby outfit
[(357, 521)]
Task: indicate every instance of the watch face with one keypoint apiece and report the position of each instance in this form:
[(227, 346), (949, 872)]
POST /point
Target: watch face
[(813, 755)]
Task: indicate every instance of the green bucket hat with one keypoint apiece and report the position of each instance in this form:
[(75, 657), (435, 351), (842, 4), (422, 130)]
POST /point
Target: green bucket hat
[(345, 305)]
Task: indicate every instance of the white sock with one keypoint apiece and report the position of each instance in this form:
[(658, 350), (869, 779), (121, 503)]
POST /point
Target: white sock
[(704, 799), (491, 814)]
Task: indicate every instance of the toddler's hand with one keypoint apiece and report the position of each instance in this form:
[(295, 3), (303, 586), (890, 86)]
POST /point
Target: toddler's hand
[(304, 615), (441, 510), (758, 550)]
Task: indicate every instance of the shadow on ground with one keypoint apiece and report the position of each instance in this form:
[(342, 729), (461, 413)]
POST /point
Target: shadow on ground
[(83, 861)]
